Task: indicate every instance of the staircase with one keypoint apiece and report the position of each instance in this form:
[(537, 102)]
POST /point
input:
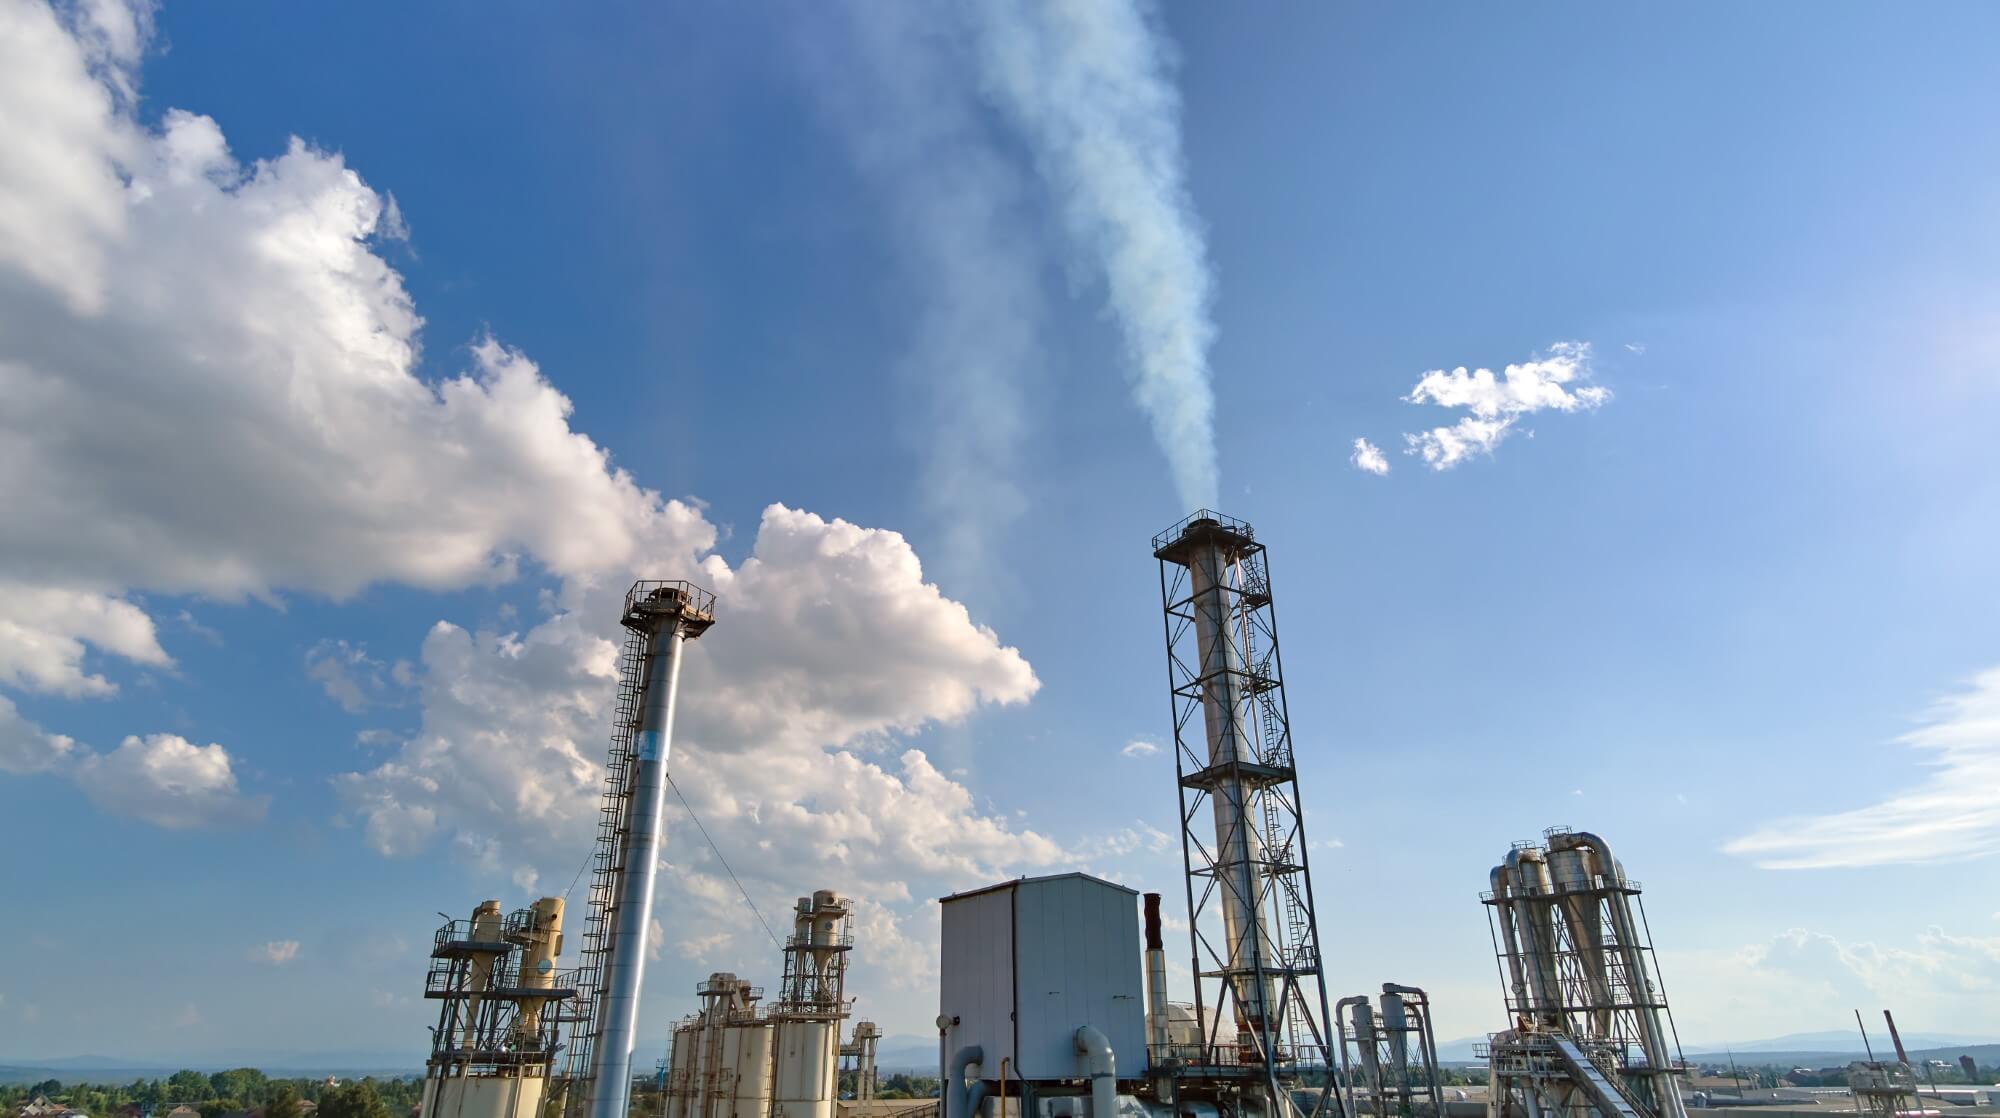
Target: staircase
[(1610, 1098)]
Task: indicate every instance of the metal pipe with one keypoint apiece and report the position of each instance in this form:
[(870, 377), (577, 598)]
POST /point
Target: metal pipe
[(538, 965), (1101, 1063), (1157, 1038), (1365, 1042), (1652, 1035), (954, 1081), (1340, 1034), (1574, 874), (1241, 894), (485, 929), (1396, 1030), (1502, 884), (1536, 923), (632, 914), (1428, 1037), (1896, 1038)]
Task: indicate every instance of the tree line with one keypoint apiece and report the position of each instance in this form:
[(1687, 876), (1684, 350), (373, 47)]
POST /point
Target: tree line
[(226, 1092)]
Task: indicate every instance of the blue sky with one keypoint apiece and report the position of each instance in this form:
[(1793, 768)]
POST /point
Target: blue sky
[(1722, 592)]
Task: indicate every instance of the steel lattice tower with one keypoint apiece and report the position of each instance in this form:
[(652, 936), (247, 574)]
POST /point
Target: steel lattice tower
[(1255, 936)]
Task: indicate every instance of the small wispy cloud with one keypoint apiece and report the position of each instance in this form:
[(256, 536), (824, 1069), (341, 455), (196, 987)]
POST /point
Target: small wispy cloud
[(1635, 347), (1139, 747), (1368, 458), (1951, 816), (277, 952), (356, 680), (1495, 403)]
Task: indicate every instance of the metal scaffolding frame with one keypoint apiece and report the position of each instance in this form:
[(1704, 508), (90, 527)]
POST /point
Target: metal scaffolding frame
[(476, 978), (1255, 882), (1592, 1025)]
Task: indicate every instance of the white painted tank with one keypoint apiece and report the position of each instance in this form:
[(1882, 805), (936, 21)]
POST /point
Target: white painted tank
[(752, 1048), (680, 1069), (806, 1051), (485, 1096), (807, 1037)]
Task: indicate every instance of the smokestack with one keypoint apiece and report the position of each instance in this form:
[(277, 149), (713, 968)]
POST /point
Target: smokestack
[(1157, 1037), (1896, 1038), (1211, 553), (666, 614)]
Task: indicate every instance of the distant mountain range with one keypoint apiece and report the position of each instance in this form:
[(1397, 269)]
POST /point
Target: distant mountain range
[(1818, 1049), (1843, 1039)]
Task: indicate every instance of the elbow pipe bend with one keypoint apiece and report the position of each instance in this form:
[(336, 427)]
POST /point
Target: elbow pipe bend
[(1102, 1064), (955, 1090), (1570, 840)]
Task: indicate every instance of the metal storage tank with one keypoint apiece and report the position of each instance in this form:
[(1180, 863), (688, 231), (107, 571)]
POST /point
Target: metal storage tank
[(751, 1041), (680, 1069), (1027, 963)]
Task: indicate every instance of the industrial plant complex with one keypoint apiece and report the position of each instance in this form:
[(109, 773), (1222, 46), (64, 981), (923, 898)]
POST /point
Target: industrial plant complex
[(1054, 997)]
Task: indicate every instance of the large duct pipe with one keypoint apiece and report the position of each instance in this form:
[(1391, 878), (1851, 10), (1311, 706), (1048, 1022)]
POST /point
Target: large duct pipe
[(1158, 1039), (1366, 1044), (1101, 1064), (1574, 872), (1340, 1009), (1501, 881), (1428, 1038), (1534, 920), (958, 1097), (538, 965), (668, 615), (1241, 895), (486, 928), (1652, 1033), (1396, 1030)]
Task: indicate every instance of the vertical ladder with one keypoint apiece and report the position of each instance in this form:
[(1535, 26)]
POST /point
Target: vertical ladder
[(607, 864)]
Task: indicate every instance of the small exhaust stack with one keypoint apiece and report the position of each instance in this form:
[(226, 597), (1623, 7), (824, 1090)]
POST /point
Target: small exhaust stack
[(1895, 1037), (1156, 983)]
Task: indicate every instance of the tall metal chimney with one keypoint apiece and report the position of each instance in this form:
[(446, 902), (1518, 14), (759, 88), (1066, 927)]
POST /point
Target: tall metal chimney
[(662, 616), (1254, 880)]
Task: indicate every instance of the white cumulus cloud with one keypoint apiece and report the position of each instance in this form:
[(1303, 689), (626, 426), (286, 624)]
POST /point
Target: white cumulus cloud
[(828, 643), (168, 781), (1139, 747), (1951, 814), (209, 380), (1368, 458), (1495, 403), (211, 384), (27, 748), (162, 779)]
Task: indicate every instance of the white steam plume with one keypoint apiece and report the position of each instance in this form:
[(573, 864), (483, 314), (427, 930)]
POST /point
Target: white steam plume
[(1087, 84)]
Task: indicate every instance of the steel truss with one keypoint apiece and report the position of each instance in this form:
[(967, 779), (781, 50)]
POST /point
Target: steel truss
[(1272, 989)]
